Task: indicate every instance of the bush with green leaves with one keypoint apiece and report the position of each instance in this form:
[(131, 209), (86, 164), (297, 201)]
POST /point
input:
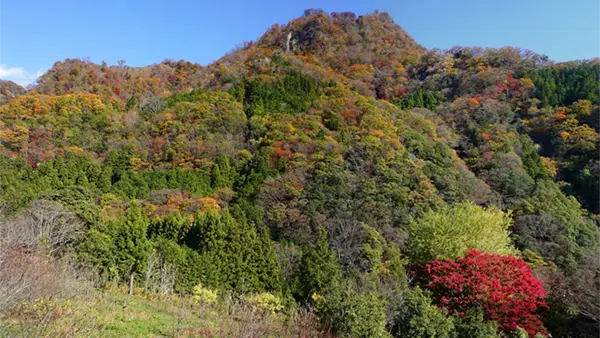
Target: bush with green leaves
[(572, 233), (418, 318), (452, 230), (265, 302), (204, 295), (351, 313), (472, 324), (119, 248)]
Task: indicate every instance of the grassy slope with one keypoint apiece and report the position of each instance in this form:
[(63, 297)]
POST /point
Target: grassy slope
[(117, 314)]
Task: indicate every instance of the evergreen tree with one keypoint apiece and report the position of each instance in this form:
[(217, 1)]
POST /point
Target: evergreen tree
[(173, 227), (218, 179), (237, 257), (319, 270), (132, 246), (105, 179)]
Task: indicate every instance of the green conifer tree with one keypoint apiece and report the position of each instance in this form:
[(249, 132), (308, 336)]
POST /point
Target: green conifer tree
[(132, 246), (319, 270), (236, 256)]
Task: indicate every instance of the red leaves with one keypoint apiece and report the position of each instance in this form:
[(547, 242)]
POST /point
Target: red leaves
[(502, 286), (281, 150)]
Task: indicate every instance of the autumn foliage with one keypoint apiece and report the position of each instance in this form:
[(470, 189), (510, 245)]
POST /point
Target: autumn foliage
[(502, 286), (333, 136)]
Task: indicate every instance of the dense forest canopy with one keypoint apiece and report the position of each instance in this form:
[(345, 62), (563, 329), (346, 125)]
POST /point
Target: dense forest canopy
[(334, 164)]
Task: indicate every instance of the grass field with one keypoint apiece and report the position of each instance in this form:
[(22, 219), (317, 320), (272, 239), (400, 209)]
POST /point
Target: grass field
[(114, 313)]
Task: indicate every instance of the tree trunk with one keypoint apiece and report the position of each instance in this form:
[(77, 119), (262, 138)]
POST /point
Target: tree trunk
[(131, 284)]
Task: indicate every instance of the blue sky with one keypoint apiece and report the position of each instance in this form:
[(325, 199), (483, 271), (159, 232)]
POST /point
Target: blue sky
[(36, 33)]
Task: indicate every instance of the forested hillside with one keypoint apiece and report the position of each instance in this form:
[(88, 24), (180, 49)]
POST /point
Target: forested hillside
[(332, 168)]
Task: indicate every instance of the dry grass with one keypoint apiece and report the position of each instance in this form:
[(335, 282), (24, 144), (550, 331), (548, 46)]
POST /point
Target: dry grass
[(44, 293), (114, 313)]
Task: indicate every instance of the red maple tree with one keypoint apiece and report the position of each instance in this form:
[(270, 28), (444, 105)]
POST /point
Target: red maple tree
[(502, 286)]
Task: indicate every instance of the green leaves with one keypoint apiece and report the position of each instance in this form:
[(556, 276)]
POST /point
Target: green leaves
[(132, 247), (451, 231), (292, 94), (418, 318), (237, 255), (319, 271), (118, 248)]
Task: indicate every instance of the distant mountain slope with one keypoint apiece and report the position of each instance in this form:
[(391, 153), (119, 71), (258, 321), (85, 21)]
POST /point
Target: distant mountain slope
[(9, 90), (77, 76)]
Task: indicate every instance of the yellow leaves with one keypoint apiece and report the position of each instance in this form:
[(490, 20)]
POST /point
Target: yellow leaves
[(24, 107), (14, 137), (204, 295), (188, 204), (333, 143), (290, 129), (77, 103), (73, 149), (360, 72), (377, 132), (265, 302), (16, 131), (582, 137), (526, 83), (35, 106), (473, 102), (565, 135), (209, 204), (581, 108), (137, 163), (168, 116), (244, 155), (549, 165), (399, 70), (317, 299)]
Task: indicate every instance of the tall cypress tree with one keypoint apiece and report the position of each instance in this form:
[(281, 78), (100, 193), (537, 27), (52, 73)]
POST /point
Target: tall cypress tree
[(132, 246), (218, 179), (235, 255), (319, 270)]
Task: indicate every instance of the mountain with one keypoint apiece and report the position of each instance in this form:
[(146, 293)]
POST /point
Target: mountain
[(9, 90), (335, 164), (80, 76)]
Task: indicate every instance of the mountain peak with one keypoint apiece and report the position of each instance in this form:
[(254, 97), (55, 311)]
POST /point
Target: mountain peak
[(341, 35), (370, 50)]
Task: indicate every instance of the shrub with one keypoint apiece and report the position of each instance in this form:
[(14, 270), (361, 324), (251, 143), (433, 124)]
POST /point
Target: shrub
[(265, 302), (473, 324), (417, 317), (318, 270), (451, 231), (503, 286), (203, 295), (352, 314)]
